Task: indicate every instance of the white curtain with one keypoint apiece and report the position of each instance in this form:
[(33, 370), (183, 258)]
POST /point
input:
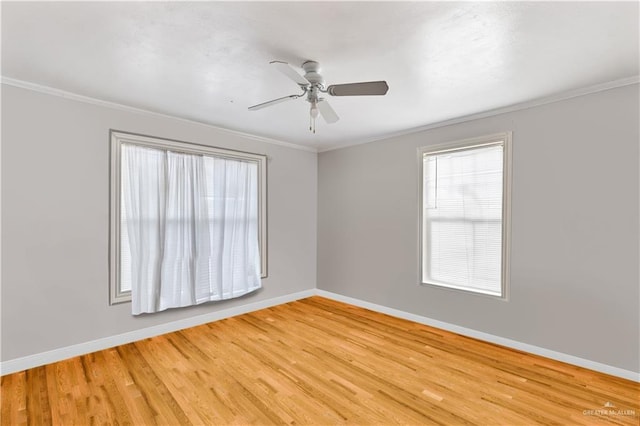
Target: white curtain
[(191, 225)]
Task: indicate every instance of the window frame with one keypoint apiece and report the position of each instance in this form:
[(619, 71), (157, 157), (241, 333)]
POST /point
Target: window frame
[(117, 138), (504, 139)]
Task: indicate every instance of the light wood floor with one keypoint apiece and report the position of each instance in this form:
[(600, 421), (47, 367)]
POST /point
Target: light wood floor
[(314, 361)]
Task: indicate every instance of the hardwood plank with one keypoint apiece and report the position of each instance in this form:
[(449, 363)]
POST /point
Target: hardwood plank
[(315, 361)]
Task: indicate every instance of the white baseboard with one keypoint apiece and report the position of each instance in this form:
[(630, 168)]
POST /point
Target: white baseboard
[(547, 353), (36, 360)]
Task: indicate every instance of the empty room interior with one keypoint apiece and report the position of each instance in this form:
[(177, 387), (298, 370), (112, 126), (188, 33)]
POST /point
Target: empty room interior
[(320, 213)]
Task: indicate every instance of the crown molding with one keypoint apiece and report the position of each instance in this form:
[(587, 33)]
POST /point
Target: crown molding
[(497, 111), (114, 105), (503, 110)]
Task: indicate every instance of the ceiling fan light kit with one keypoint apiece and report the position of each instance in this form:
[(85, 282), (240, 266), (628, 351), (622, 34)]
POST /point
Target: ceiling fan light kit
[(312, 85)]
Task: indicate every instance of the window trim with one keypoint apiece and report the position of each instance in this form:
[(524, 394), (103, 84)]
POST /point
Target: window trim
[(117, 138), (504, 139)]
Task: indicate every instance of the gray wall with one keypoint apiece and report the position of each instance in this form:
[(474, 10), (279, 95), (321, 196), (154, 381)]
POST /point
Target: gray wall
[(575, 233), (574, 258), (55, 218)]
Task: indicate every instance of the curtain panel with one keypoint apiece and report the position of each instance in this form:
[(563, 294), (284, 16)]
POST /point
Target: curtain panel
[(189, 230)]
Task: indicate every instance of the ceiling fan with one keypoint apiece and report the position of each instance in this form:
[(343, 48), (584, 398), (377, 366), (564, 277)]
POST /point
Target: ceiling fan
[(312, 85)]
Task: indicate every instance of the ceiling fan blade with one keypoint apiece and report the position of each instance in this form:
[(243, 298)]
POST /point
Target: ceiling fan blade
[(286, 69), (273, 102), (359, 89), (327, 112)]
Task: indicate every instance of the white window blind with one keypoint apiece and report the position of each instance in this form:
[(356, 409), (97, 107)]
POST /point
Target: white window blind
[(462, 217)]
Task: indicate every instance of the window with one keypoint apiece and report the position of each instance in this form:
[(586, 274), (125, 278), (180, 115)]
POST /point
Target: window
[(464, 214), (185, 212)]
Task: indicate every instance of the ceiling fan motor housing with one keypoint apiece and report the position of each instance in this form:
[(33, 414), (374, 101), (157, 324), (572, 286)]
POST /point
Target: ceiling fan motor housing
[(312, 94), (312, 72)]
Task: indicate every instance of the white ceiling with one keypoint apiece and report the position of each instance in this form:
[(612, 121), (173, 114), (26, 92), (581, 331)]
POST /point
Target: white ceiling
[(209, 61)]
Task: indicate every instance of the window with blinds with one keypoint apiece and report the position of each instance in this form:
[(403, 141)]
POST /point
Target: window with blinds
[(464, 214)]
